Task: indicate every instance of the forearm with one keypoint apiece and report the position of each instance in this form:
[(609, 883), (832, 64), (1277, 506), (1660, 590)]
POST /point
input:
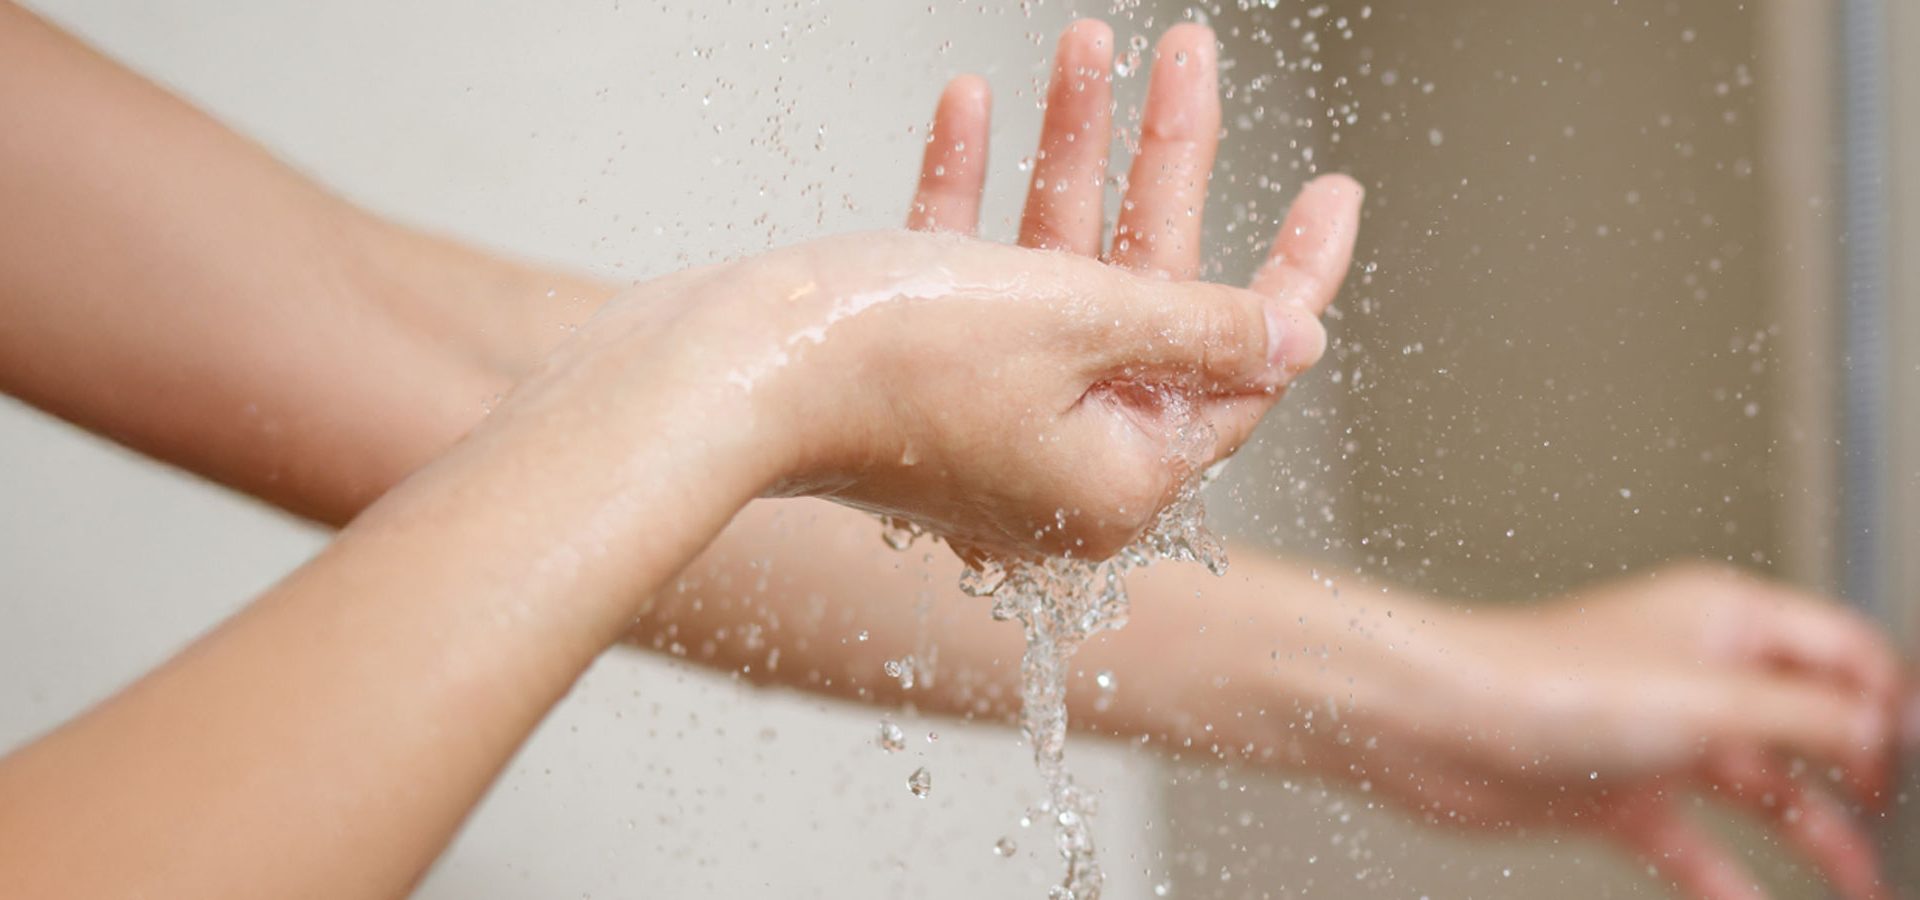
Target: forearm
[(1273, 661), (805, 594), (327, 741), (167, 283)]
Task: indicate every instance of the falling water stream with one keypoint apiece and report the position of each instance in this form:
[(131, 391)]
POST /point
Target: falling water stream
[(1060, 602)]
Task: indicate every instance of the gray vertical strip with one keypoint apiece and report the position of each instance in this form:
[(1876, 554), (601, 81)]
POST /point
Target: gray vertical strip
[(1864, 272)]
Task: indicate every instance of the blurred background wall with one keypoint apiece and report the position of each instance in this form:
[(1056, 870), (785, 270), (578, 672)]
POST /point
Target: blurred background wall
[(1587, 332)]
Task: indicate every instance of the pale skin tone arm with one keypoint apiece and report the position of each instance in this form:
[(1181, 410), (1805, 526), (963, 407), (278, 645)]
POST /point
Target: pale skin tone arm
[(413, 336)]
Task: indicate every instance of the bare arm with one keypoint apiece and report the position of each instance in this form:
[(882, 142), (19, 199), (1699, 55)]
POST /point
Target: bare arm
[(328, 741), (167, 283)]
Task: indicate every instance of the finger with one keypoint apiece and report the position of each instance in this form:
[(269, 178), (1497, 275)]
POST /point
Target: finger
[(1069, 175), (1222, 340), (1311, 253), (1794, 629), (1231, 422), (954, 169), (1811, 821), (1684, 854), (1160, 216), (1232, 419), (1801, 633), (1794, 717)]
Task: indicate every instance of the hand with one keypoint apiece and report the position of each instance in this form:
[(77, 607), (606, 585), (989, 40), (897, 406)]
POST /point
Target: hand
[(1009, 399), (1158, 231), (1604, 710)]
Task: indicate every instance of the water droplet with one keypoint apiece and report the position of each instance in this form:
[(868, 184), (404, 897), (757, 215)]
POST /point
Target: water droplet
[(900, 670), (899, 533), (1004, 847), (920, 782), (892, 739), (1108, 686)]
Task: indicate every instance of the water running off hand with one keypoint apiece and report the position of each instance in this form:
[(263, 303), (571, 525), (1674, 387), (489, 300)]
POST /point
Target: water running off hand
[(1060, 602)]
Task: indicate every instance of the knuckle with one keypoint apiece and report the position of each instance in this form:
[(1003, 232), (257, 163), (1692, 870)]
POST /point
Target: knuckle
[(1225, 331)]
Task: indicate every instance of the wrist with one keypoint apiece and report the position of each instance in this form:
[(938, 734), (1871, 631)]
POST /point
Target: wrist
[(599, 502)]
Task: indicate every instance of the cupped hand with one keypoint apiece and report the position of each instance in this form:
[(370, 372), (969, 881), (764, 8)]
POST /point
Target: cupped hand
[(1159, 226), (1612, 709), (1011, 400)]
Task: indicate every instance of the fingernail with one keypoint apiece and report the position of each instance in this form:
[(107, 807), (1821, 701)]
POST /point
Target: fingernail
[(1295, 338)]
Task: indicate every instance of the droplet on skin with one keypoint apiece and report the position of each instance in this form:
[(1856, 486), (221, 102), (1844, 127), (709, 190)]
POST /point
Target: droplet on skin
[(892, 739), (900, 670), (920, 782)]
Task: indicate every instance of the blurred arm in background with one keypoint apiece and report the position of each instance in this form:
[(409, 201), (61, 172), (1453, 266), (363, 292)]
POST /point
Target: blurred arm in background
[(322, 354)]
